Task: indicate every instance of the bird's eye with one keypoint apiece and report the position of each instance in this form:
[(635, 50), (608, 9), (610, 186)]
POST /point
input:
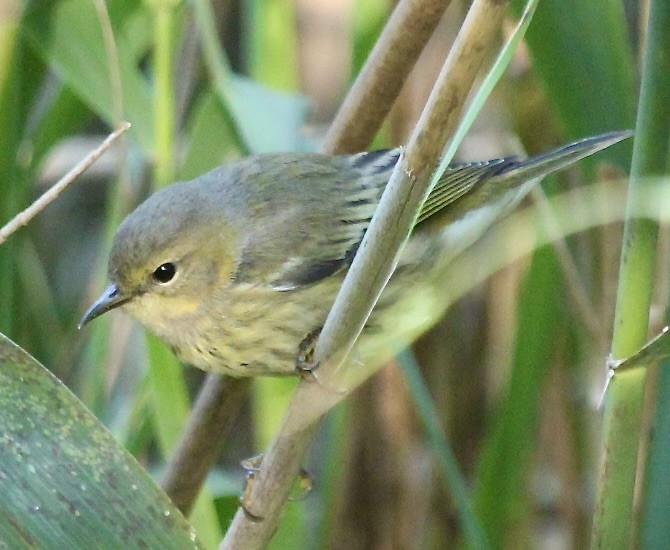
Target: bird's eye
[(164, 273)]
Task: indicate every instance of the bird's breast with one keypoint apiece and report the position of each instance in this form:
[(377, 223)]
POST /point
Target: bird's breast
[(255, 330)]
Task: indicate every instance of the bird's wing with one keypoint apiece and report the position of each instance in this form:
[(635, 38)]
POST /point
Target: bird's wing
[(457, 181), (324, 240), (337, 221)]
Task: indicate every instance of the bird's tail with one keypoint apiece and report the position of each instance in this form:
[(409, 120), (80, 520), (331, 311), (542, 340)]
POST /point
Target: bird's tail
[(546, 163), (466, 187)]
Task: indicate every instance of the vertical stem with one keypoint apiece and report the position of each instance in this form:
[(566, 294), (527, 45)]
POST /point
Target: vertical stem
[(612, 523), (12, 188), (163, 93)]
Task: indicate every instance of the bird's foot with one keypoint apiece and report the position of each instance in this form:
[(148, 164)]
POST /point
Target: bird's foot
[(305, 365), (303, 485), (251, 466)]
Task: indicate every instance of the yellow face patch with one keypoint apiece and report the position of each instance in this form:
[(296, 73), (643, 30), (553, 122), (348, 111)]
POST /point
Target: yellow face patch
[(159, 312)]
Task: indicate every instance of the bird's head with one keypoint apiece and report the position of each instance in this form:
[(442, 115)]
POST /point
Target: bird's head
[(167, 258)]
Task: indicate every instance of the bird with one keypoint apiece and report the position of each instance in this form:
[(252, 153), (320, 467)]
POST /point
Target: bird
[(237, 269)]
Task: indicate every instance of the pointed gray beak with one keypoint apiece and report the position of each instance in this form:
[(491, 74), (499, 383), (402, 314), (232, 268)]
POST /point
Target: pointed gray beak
[(109, 299)]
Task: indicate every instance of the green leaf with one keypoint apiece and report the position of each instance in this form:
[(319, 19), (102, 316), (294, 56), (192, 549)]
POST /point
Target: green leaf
[(656, 349), (64, 480), (268, 120), (65, 115), (265, 120), (212, 137), (68, 36), (581, 52)]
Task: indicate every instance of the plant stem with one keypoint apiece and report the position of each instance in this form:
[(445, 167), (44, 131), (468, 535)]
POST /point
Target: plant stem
[(163, 93), (378, 85), (612, 524)]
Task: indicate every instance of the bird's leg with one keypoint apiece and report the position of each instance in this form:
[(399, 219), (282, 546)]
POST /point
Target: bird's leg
[(252, 465), (304, 363)]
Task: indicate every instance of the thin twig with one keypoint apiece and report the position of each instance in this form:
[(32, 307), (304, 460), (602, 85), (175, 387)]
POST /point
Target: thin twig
[(371, 97), (215, 410), (36, 207), (253, 526)]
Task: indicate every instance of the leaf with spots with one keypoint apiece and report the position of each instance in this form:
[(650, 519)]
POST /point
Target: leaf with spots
[(64, 481)]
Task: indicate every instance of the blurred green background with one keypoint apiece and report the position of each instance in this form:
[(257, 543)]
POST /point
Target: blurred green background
[(515, 368)]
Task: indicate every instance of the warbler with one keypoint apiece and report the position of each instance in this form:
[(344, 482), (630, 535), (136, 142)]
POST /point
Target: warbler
[(236, 269)]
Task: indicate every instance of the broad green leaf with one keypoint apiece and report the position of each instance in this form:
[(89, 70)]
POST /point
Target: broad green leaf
[(64, 116), (582, 54), (68, 36), (268, 120), (212, 137), (64, 480)]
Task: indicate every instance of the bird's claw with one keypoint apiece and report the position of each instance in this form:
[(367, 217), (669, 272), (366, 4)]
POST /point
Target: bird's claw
[(252, 465), (305, 365)]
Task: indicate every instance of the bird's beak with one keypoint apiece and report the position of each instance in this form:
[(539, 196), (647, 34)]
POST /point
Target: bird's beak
[(111, 298)]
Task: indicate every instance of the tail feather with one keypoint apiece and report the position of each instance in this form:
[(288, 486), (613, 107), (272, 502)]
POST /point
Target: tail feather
[(464, 187), (557, 159)]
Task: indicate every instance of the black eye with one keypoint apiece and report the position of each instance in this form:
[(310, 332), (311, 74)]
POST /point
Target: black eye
[(165, 272)]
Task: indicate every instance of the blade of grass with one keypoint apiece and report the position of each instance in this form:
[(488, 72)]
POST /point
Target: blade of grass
[(12, 186), (502, 471), (474, 534), (585, 42)]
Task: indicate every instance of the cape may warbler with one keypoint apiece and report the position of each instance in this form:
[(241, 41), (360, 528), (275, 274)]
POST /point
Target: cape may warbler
[(235, 268)]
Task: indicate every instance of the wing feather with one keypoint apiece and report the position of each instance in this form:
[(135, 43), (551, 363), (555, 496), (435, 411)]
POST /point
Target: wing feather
[(324, 240)]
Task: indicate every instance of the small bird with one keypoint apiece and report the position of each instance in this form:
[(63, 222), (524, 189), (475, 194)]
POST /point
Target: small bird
[(237, 269)]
